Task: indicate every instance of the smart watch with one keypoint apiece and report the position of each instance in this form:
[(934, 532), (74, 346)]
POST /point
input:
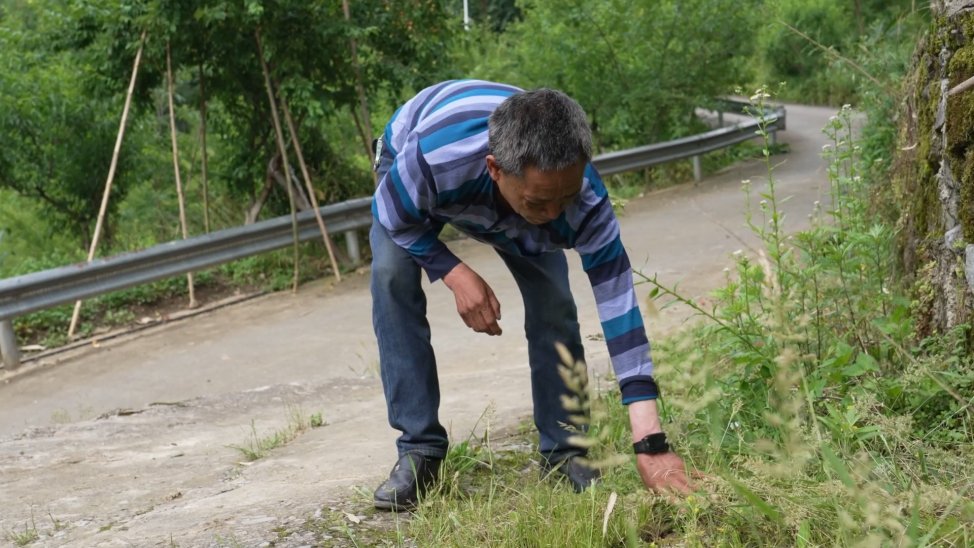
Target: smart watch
[(653, 444)]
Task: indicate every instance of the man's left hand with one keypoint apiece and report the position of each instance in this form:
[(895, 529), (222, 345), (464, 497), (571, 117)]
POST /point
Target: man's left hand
[(665, 472)]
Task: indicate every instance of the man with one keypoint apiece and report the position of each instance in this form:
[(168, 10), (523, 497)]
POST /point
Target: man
[(512, 169)]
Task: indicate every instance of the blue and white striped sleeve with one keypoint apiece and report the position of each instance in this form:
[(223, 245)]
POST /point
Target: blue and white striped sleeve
[(607, 265), (402, 202)]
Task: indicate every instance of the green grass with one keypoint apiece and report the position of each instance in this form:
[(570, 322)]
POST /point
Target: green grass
[(256, 447), (30, 533), (23, 539)]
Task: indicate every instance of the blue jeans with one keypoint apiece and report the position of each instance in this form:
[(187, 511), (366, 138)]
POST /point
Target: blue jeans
[(408, 366)]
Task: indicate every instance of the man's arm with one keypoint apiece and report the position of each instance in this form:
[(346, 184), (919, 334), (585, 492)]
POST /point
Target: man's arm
[(402, 202), (607, 265)]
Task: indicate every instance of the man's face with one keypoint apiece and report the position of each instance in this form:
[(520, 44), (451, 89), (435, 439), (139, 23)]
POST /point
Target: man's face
[(538, 197)]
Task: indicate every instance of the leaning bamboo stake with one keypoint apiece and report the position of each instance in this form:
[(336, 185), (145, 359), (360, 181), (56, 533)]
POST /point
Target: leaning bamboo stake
[(111, 176), (963, 86), (206, 193), (175, 163), (307, 183), (361, 95), (281, 150)]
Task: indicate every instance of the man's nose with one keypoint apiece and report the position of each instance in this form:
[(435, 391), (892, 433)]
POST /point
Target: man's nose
[(552, 211)]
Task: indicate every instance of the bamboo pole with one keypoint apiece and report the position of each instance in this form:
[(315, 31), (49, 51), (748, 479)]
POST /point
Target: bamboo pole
[(963, 86), (111, 175), (206, 193), (366, 120), (307, 182), (282, 152), (175, 163)]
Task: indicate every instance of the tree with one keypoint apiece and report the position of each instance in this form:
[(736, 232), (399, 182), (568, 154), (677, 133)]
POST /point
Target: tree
[(66, 77), (306, 46), (638, 67), (58, 141)]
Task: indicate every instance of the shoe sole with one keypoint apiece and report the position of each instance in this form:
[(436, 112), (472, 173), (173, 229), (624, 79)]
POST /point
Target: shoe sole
[(389, 505)]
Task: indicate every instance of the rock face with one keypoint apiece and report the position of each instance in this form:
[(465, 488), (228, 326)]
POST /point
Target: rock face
[(934, 180)]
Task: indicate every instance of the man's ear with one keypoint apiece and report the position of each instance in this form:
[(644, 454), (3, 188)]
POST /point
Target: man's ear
[(493, 168)]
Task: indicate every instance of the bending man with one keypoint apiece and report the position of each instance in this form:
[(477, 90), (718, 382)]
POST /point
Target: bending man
[(512, 169)]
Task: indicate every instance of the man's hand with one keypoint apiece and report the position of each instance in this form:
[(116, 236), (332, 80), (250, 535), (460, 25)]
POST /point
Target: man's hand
[(476, 302), (665, 472)]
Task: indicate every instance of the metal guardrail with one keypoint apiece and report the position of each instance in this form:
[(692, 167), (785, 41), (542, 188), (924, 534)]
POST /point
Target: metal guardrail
[(23, 295), (687, 147)]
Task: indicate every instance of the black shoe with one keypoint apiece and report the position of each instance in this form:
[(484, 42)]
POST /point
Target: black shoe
[(581, 477), (411, 477)]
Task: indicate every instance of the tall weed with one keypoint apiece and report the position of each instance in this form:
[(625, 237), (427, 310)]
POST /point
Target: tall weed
[(805, 372)]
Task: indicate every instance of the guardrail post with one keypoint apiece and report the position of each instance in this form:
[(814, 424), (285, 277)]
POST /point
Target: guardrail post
[(351, 241), (773, 137), (720, 118), (697, 170), (9, 351)]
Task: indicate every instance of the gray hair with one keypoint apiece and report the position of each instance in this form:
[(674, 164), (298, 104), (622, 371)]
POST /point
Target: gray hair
[(543, 128)]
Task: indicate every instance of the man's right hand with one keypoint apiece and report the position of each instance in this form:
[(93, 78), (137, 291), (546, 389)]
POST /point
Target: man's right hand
[(476, 302)]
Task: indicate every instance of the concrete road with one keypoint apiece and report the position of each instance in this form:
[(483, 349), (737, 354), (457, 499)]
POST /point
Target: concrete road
[(167, 469)]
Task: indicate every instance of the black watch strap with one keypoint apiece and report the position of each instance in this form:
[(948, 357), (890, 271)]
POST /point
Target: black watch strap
[(653, 444)]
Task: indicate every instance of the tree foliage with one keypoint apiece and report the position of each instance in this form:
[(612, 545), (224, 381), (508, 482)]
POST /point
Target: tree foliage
[(638, 67), (854, 29), (78, 59), (57, 139)]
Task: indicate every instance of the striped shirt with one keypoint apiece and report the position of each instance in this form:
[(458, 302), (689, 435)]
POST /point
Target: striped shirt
[(434, 173)]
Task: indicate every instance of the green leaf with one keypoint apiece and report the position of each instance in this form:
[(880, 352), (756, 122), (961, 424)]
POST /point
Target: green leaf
[(868, 433), (838, 467), (671, 303), (843, 353), (864, 364), (756, 501), (854, 370), (804, 535), (913, 530)]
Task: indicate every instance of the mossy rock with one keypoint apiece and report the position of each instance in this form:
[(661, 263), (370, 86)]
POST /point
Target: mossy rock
[(960, 120), (923, 149), (965, 209), (960, 107)]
